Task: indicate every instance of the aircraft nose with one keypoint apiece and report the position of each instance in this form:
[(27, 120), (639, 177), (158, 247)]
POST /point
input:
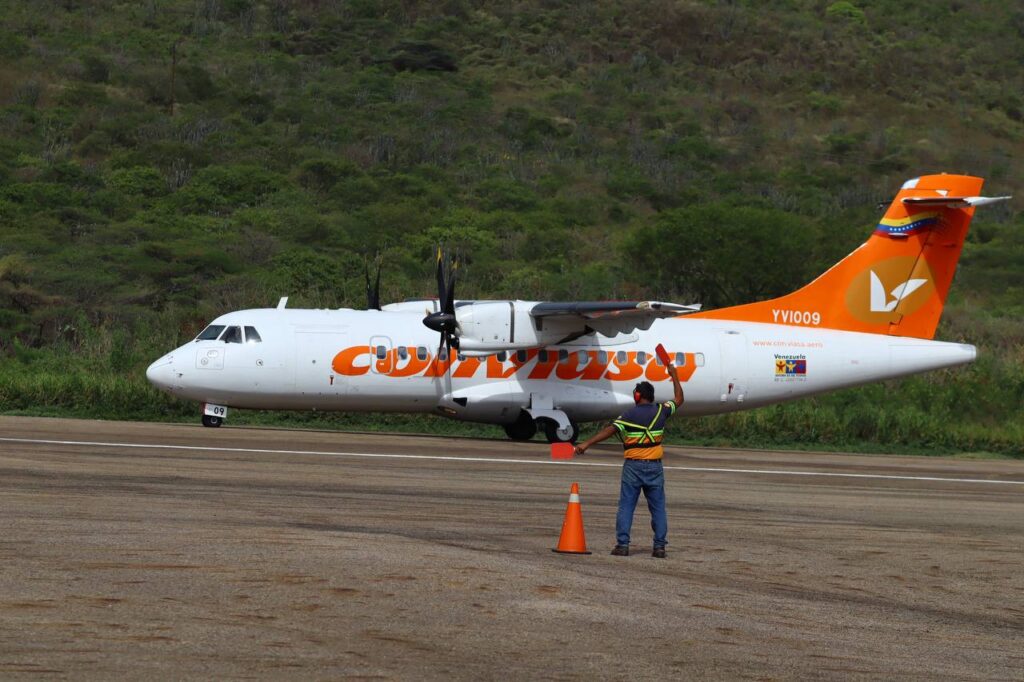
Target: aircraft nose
[(161, 372)]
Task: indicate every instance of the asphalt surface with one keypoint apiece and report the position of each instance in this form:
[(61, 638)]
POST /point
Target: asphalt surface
[(231, 553)]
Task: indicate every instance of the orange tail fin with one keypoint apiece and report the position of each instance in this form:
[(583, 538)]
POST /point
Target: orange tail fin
[(897, 281)]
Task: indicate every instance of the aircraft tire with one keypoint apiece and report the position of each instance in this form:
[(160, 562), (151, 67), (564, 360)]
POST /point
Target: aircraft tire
[(556, 435), (211, 421), (523, 428)]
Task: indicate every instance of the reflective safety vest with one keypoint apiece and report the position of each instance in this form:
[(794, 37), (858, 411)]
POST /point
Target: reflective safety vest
[(642, 429)]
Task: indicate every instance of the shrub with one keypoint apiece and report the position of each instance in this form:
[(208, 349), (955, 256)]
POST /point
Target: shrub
[(320, 175), (139, 180), (845, 10), (222, 188), (95, 69)]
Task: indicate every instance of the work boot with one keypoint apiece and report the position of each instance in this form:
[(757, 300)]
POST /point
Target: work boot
[(621, 550), (659, 553)]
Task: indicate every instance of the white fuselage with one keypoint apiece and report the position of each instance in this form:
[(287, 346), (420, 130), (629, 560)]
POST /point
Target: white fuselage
[(357, 361)]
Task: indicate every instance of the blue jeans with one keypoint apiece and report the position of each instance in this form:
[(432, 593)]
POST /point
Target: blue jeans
[(649, 476)]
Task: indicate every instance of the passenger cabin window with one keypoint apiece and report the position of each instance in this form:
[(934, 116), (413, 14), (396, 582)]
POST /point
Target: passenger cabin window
[(621, 357), (681, 359), (210, 333), (602, 357), (421, 353), (641, 358), (542, 356), (442, 355), (252, 336), (232, 335), (382, 352), (582, 356), (699, 359), (403, 352), (563, 355), (521, 355), (502, 356)]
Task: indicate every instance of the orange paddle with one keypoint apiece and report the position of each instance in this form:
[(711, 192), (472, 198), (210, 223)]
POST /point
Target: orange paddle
[(562, 450), (663, 355)]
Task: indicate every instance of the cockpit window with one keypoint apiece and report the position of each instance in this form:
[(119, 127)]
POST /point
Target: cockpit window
[(232, 335), (252, 336), (210, 333)]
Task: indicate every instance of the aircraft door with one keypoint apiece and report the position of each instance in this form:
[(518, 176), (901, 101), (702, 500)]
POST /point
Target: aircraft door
[(314, 351), (733, 362)]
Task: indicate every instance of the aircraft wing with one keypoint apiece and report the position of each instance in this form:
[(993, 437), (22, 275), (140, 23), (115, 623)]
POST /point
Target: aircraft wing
[(593, 310), (607, 317)]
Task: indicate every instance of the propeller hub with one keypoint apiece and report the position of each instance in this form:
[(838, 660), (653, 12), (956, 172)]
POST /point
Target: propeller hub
[(441, 322)]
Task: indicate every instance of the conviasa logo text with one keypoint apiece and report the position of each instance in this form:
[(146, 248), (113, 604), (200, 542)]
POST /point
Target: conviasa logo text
[(585, 365)]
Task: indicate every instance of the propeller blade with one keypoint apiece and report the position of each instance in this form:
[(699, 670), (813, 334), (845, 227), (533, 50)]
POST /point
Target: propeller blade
[(372, 292), (369, 294), (376, 287), (440, 279), (450, 293), (444, 321)]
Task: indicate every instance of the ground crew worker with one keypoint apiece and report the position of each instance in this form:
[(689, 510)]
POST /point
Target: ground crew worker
[(641, 430)]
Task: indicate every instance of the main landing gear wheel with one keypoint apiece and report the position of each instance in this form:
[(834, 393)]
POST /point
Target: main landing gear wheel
[(209, 420), (559, 435), (523, 428)]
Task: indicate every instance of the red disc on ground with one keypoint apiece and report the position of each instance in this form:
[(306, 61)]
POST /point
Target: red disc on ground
[(562, 450)]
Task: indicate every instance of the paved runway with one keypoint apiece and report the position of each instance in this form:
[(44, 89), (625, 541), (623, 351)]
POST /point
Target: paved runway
[(141, 550)]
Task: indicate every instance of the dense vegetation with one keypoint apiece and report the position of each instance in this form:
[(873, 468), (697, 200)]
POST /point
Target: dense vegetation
[(164, 161)]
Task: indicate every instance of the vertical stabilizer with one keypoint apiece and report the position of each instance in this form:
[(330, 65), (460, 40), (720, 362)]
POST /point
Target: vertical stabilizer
[(897, 281)]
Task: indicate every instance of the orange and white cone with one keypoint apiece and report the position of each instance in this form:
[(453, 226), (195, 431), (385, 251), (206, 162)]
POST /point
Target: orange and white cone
[(572, 540)]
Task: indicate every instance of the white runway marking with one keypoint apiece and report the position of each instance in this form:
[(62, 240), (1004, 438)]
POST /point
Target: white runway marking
[(501, 460)]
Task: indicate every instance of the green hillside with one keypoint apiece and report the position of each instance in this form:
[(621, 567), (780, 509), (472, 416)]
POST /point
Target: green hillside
[(164, 161)]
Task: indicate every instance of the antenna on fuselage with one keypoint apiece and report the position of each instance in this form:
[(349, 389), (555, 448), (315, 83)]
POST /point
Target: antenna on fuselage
[(282, 303)]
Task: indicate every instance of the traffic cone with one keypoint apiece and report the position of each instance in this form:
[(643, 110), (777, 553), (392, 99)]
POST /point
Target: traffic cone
[(572, 540)]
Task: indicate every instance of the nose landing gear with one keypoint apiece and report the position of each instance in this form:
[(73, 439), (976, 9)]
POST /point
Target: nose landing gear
[(214, 415)]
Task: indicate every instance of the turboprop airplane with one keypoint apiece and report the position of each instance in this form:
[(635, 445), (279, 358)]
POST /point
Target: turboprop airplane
[(526, 365)]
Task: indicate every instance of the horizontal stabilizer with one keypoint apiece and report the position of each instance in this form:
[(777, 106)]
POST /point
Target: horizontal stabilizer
[(952, 202)]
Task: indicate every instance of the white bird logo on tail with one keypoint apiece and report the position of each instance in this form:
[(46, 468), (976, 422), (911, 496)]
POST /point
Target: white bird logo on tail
[(880, 303)]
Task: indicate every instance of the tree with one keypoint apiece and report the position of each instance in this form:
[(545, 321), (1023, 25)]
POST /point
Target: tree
[(720, 254)]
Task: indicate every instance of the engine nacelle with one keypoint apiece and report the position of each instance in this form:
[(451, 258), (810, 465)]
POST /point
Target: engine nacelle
[(488, 327), (487, 322)]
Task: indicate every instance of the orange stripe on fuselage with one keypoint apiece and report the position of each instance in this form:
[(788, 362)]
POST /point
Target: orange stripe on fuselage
[(593, 366)]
